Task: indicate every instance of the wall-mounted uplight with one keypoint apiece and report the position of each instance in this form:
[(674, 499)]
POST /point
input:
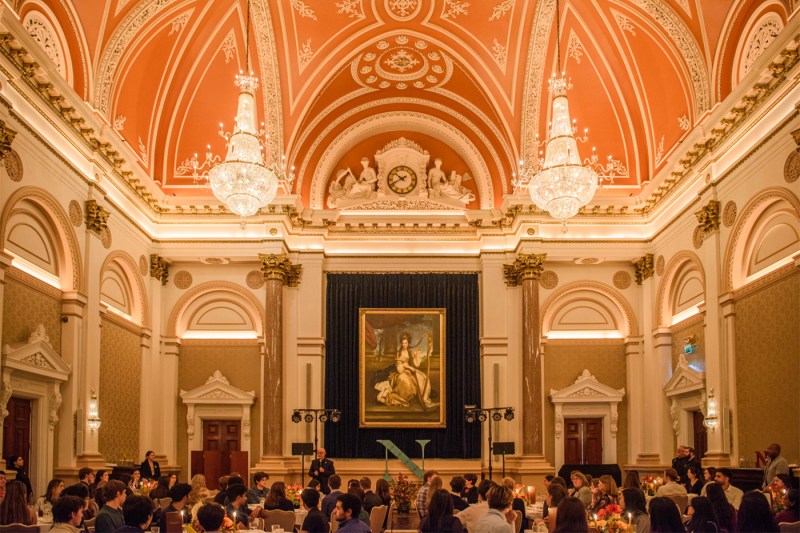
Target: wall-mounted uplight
[(94, 413), (711, 419)]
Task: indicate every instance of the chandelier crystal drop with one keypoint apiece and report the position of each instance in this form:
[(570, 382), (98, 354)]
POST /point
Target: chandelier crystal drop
[(564, 184), (242, 181)]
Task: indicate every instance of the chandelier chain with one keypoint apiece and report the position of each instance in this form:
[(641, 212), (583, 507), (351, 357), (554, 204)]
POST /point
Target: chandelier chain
[(247, 40)]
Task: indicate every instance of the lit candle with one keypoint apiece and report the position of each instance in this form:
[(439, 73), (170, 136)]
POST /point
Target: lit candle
[(234, 517), (630, 516)]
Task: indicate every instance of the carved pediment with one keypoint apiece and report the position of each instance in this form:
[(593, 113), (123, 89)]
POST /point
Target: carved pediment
[(218, 390), (684, 379), (586, 388), (36, 357)]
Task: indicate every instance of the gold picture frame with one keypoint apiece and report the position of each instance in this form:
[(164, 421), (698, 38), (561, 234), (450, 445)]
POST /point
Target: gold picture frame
[(402, 368)]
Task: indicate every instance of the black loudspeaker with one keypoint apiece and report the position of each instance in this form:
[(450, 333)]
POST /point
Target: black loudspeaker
[(302, 448), (503, 448)]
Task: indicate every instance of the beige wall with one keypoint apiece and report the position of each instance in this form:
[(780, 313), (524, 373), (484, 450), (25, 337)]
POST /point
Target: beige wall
[(241, 365), (564, 363), (25, 307), (692, 326), (767, 367), (119, 394)]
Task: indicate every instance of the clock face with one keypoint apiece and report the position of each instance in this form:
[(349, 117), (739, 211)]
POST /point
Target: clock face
[(402, 179)]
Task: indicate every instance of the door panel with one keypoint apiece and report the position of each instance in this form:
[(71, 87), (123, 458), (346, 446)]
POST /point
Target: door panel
[(573, 446), (700, 436), (17, 429), (583, 441)]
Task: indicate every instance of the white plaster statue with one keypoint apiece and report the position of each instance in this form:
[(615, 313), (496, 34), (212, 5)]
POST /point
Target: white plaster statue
[(353, 187), (439, 186)]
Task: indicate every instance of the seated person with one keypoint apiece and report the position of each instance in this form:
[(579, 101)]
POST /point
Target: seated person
[(179, 494), (440, 517), (671, 487), (222, 496), (457, 486), (138, 513), (260, 488), (276, 499), (470, 492), (315, 521), (110, 517), (346, 513), (67, 514), (237, 509), (211, 516)]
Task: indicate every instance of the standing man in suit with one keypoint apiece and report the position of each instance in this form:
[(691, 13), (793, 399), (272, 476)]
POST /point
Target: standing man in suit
[(321, 469)]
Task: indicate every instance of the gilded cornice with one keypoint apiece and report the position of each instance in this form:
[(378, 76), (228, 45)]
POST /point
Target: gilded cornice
[(6, 138), (279, 267), (159, 268), (525, 267), (644, 268)]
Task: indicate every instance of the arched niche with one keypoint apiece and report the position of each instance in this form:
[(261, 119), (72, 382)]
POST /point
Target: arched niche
[(35, 228), (764, 238), (217, 310), (122, 289), (759, 32), (682, 289), (587, 310)]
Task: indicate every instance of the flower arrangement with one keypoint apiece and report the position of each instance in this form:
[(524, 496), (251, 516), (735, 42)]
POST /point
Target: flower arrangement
[(145, 488), (522, 493), (403, 491), (609, 520), (650, 484), (293, 494)]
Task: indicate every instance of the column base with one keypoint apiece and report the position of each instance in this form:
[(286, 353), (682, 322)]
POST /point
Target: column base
[(648, 459), (280, 468), (717, 459), (654, 470), (526, 469), (91, 460)]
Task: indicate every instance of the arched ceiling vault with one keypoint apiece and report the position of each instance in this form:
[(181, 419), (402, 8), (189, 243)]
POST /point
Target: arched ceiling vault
[(644, 73)]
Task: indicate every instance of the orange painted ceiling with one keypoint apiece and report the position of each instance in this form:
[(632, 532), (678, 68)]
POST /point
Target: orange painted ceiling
[(644, 73)]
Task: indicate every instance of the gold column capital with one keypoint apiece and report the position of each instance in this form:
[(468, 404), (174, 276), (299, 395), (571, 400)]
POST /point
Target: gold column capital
[(96, 216), (279, 267), (644, 268), (159, 268), (525, 267), (708, 217), (6, 138)]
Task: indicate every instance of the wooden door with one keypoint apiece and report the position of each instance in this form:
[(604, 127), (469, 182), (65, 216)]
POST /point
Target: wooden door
[(700, 436), (583, 441), (222, 435), (17, 430)]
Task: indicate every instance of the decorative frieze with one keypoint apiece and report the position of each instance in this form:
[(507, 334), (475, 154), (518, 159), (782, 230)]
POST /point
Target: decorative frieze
[(708, 217), (525, 267), (6, 138), (644, 268), (279, 267), (96, 216), (159, 268)]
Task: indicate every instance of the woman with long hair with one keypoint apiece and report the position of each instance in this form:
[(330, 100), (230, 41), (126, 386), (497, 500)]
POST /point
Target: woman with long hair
[(694, 484), (161, 490), (708, 479), (440, 514), (149, 467), (726, 514), (383, 490), (702, 517), (755, 514), (632, 480), (17, 464), (581, 489), (555, 494), (435, 484), (606, 493), (664, 516), (792, 512), (634, 505), (276, 499), (15, 509), (571, 516), (44, 505), (102, 479), (199, 489)]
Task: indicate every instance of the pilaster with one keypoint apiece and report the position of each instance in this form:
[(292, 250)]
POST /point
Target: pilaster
[(634, 366), (73, 309), (168, 369)]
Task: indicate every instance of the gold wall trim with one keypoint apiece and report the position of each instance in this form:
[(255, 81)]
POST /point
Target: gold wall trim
[(200, 343), (767, 281), (34, 283), (122, 322)]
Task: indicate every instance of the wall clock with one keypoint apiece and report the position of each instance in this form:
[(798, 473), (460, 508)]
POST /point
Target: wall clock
[(402, 179)]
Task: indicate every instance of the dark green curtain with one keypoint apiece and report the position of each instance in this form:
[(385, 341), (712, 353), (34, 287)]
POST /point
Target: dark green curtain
[(458, 293)]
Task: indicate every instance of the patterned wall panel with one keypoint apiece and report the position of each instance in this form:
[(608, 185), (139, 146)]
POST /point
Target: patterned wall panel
[(119, 394), (24, 308), (698, 358), (767, 366), (563, 364), (240, 364)]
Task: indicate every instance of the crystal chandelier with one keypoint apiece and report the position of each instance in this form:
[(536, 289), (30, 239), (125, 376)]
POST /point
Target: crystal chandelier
[(563, 184), (243, 181)]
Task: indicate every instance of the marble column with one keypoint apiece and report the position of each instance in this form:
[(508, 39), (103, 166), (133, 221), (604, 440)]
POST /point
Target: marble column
[(525, 272), (278, 271)]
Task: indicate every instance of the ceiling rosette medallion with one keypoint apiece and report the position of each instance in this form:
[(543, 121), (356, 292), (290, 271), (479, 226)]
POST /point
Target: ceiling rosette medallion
[(401, 62)]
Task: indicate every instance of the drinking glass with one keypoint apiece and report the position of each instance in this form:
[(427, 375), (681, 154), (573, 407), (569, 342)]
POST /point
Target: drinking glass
[(155, 529)]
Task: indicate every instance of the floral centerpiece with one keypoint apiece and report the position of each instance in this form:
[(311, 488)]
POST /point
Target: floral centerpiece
[(522, 493), (293, 494), (609, 519), (403, 492), (650, 484), (145, 488), (227, 526)]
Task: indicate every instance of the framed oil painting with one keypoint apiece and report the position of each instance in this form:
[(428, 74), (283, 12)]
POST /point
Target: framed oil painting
[(402, 368)]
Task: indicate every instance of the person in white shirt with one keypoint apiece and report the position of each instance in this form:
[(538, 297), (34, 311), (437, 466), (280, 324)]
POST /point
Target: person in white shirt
[(733, 494), (777, 464), (470, 516), (500, 517), (671, 487)]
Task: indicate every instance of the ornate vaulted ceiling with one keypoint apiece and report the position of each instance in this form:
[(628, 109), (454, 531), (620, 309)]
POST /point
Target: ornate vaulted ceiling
[(465, 80)]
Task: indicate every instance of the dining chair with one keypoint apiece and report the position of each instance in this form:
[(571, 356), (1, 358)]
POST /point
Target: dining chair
[(377, 517), (284, 519), (789, 527)]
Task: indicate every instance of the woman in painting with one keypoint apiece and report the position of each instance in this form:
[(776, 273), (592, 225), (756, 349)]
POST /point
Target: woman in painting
[(402, 382)]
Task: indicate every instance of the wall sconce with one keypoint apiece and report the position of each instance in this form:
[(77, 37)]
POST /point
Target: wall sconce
[(711, 419), (94, 413)]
